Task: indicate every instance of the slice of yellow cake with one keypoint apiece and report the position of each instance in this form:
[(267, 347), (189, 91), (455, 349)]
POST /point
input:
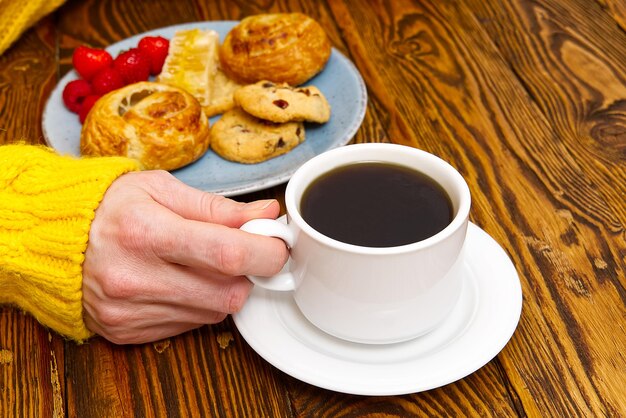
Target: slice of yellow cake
[(190, 63), (193, 64)]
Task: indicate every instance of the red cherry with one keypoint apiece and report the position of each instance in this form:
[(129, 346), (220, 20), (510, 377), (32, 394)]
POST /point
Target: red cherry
[(133, 65), (156, 49), (90, 61), (74, 94), (107, 80)]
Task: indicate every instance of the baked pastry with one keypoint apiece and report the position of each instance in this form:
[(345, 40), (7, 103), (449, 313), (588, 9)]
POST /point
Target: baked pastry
[(282, 103), (193, 64), (242, 138), (222, 90), (283, 47), (161, 126)]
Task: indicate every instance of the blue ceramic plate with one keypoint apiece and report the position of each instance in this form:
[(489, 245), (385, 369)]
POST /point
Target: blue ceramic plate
[(340, 82)]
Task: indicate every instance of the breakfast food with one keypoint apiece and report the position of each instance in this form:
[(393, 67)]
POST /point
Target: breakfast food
[(74, 93), (133, 65), (222, 91), (283, 47), (100, 73), (190, 62), (164, 125), (283, 103), (161, 126), (89, 61), (156, 49), (240, 137), (193, 65)]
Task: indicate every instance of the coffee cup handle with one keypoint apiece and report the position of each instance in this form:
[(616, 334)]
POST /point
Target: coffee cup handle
[(284, 280)]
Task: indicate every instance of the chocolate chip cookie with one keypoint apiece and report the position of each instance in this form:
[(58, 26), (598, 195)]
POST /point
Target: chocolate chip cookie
[(242, 138), (282, 103)]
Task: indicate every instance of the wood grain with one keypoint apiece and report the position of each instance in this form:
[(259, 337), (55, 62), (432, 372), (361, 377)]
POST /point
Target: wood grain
[(555, 62), (617, 10), (32, 380), (526, 98)]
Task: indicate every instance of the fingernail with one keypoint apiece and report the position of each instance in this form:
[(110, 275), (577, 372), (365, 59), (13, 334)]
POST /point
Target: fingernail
[(259, 204)]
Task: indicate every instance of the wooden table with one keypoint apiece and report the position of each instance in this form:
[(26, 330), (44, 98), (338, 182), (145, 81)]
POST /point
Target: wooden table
[(526, 98)]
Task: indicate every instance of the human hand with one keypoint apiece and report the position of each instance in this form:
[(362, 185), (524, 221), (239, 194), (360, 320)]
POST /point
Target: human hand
[(164, 258)]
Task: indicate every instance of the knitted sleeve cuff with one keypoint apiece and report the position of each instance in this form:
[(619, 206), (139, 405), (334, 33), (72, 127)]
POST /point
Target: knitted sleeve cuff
[(47, 203), (16, 16)]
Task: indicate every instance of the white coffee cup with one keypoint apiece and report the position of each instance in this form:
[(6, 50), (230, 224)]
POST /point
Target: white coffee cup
[(365, 294)]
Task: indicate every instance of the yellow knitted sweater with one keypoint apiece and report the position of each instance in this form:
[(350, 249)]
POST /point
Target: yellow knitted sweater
[(18, 15), (47, 203)]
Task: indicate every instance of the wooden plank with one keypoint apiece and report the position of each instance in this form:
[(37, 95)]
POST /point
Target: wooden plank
[(466, 105), (32, 379), (570, 57), (617, 9), (181, 376), (480, 394), (27, 75)]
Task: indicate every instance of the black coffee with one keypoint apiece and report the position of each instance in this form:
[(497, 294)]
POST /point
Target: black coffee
[(376, 204)]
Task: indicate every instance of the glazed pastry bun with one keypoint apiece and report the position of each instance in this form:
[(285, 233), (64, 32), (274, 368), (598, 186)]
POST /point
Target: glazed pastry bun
[(283, 47), (161, 126)]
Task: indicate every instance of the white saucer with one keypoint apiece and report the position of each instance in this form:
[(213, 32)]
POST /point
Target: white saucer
[(478, 328)]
